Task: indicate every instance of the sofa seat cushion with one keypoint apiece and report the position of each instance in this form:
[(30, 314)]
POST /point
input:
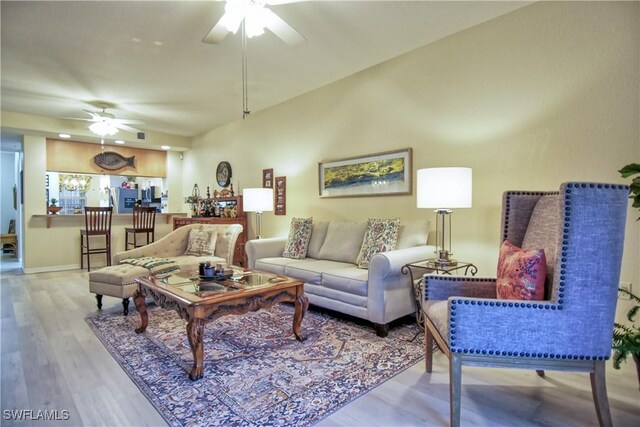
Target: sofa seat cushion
[(121, 274), (274, 265), (351, 280), (311, 270)]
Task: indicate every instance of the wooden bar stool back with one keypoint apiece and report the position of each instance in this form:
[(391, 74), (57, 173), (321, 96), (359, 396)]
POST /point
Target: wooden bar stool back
[(144, 222), (97, 223)]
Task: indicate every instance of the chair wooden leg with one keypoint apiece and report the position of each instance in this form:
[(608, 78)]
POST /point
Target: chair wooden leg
[(428, 348), (81, 251), (599, 389), (88, 254), (108, 249), (455, 389)]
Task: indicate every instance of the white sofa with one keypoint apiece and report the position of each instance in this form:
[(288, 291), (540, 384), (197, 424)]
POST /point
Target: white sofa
[(380, 294), (118, 280)]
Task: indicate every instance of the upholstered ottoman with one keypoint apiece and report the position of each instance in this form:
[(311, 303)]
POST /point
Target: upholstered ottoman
[(116, 281)]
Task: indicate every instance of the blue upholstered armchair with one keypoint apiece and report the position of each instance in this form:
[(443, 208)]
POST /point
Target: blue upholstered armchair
[(581, 229)]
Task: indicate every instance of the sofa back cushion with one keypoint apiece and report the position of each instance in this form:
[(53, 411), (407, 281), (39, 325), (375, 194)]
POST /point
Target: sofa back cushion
[(318, 234), (413, 232), (343, 241)]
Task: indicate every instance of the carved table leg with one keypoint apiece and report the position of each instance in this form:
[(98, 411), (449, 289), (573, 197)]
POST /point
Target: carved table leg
[(195, 333), (141, 305), (301, 305)]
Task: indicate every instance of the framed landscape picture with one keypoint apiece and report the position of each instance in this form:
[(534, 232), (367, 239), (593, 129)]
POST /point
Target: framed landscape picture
[(380, 174)]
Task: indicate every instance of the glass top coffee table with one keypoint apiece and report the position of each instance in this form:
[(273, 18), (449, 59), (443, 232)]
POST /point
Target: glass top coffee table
[(198, 301)]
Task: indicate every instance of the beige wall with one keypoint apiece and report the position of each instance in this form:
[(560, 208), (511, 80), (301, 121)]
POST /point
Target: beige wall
[(58, 247), (545, 94)]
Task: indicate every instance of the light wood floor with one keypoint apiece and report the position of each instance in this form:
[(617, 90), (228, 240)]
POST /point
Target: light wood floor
[(52, 360)]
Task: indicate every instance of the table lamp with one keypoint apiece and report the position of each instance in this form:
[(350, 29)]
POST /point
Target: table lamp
[(258, 200), (444, 189)]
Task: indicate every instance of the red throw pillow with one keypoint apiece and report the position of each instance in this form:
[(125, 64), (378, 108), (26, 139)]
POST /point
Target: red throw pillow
[(521, 273)]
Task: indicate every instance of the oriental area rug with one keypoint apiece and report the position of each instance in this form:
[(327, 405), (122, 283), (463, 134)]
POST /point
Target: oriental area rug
[(255, 372)]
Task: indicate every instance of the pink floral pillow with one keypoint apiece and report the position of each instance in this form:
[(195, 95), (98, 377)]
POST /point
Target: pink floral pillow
[(521, 273)]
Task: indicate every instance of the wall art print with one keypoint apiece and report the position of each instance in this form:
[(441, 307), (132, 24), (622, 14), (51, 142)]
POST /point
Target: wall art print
[(380, 174)]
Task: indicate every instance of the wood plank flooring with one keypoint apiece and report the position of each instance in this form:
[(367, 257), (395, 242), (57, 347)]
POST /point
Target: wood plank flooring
[(51, 360)]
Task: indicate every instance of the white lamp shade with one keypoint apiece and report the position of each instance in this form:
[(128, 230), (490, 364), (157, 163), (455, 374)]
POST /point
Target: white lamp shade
[(257, 199), (444, 188)]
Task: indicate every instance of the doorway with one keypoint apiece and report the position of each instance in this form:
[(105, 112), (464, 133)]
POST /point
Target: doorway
[(11, 226)]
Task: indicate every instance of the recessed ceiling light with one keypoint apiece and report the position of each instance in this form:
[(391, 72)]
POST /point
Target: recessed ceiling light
[(119, 141), (64, 135), (165, 147)]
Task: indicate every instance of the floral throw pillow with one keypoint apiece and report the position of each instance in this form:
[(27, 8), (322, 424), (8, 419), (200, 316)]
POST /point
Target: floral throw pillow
[(298, 240), (201, 242), (521, 273), (381, 235)]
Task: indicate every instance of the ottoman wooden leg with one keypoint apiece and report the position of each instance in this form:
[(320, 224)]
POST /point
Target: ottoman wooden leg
[(125, 305), (99, 300)]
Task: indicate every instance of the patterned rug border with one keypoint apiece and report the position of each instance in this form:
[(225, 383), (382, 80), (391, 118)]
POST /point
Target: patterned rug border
[(171, 419)]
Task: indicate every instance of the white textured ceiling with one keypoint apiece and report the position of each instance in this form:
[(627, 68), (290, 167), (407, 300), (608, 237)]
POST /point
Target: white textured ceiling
[(147, 59)]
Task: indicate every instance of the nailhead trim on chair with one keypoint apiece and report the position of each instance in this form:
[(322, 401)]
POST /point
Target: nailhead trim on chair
[(560, 293), (507, 209)]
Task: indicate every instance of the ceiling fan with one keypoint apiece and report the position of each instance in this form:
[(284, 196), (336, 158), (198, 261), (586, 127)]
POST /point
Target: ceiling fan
[(104, 123), (256, 16)]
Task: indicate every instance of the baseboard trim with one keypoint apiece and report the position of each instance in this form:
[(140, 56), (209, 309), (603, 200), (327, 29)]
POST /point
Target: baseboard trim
[(49, 268)]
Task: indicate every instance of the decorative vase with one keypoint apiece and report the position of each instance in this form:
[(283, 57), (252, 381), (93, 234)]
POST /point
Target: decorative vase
[(53, 210)]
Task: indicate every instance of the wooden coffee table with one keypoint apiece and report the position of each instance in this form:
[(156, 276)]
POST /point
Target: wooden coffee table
[(198, 301)]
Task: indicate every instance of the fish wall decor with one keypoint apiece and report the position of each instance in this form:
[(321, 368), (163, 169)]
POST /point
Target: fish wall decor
[(113, 161)]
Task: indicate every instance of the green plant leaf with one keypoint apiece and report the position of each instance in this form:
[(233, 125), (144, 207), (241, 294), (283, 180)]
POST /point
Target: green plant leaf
[(629, 170)]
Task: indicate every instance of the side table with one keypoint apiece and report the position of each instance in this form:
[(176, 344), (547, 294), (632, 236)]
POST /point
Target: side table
[(430, 265)]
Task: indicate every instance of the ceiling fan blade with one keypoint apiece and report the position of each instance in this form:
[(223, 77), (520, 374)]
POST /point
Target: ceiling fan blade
[(127, 122), (217, 34), (278, 2), (283, 30), (127, 128), (76, 118)]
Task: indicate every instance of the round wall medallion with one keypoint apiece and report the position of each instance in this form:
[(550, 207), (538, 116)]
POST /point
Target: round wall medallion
[(223, 174)]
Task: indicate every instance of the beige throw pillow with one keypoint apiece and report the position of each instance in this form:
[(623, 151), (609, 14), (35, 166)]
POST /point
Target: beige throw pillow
[(201, 242)]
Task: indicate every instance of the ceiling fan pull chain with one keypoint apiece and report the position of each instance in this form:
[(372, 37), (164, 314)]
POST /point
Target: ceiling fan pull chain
[(245, 89)]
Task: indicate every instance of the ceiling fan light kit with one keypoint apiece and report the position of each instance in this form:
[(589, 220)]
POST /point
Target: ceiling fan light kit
[(103, 128), (256, 17)]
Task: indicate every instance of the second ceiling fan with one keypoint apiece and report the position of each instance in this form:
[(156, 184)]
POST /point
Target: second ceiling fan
[(256, 16)]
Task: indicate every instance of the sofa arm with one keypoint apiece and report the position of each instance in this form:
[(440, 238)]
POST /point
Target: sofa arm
[(386, 279), (264, 248)]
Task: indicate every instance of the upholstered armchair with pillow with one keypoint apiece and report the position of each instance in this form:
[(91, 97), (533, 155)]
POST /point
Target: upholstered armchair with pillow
[(184, 248), (569, 242)]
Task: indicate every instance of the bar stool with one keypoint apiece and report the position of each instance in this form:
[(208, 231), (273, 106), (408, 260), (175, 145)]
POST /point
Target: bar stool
[(97, 223), (144, 221)]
